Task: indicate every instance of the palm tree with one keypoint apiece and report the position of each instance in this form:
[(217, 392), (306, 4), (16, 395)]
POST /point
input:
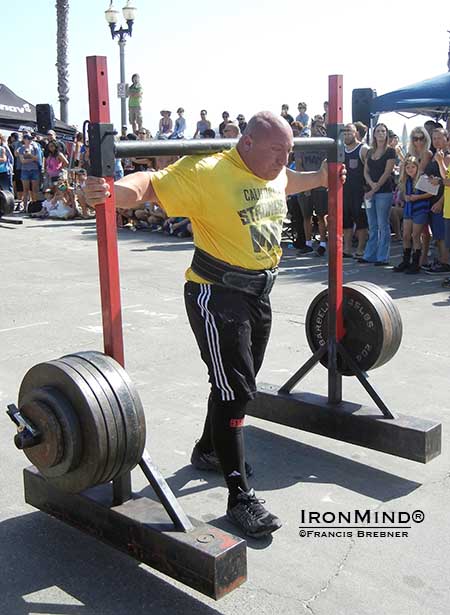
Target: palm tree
[(62, 42)]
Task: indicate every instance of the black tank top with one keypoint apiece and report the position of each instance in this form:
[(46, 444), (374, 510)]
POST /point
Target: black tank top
[(355, 169)]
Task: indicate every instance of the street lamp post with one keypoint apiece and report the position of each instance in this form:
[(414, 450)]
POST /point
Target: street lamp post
[(112, 17)]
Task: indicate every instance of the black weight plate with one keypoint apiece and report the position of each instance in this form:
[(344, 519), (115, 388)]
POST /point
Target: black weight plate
[(138, 407), (137, 403), (129, 403), (69, 425), (371, 301), (364, 335), (93, 432), (6, 203), (389, 316), (126, 405), (107, 413), (392, 321), (120, 444)]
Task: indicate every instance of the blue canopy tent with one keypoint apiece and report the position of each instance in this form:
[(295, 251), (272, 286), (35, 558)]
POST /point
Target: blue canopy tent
[(430, 97)]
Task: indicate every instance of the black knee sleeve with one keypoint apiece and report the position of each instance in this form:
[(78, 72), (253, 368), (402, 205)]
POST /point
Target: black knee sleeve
[(227, 421)]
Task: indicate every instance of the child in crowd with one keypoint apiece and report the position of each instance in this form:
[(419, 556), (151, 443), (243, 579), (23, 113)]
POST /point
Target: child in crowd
[(415, 216), (47, 205), (65, 203), (86, 211)]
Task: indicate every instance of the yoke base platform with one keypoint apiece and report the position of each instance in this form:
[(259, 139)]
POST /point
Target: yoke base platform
[(207, 559), (405, 436)]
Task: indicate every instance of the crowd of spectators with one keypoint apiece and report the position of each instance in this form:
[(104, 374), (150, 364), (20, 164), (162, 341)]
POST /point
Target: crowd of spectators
[(392, 194), (42, 169)]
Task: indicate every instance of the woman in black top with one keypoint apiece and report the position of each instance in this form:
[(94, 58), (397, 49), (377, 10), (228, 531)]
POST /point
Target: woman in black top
[(378, 169)]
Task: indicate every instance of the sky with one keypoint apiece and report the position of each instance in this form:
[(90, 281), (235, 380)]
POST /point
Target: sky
[(240, 55)]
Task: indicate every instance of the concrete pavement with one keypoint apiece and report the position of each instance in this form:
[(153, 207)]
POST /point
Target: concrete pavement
[(50, 306)]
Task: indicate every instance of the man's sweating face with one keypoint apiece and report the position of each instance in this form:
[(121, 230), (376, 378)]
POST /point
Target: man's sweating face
[(269, 152)]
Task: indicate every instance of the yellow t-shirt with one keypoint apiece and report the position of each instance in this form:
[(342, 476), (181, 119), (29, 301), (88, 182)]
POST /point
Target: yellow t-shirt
[(446, 212), (235, 216)]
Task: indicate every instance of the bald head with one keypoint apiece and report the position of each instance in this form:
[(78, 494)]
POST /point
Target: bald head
[(265, 145), (267, 123)]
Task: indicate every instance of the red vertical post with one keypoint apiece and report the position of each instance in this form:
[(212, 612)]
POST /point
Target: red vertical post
[(335, 241), (108, 259)]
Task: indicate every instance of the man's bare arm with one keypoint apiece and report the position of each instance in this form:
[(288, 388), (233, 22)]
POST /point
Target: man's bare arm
[(130, 191), (303, 181)]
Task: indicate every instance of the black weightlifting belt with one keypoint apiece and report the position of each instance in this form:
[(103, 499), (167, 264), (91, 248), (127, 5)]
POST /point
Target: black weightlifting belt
[(258, 283)]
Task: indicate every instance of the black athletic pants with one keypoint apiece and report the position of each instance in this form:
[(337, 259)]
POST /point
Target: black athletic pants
[(232, 329)]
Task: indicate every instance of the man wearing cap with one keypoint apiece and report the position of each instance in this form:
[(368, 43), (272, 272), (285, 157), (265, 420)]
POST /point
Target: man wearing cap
[(236, 202), (241, 122)]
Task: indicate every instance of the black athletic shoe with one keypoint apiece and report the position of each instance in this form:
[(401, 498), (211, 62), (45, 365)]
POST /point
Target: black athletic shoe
[(251, 517), (437, 269), (306, 250), (210, 462), (321, 250)]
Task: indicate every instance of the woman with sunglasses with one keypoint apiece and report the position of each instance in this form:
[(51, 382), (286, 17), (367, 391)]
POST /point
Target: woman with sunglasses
[(378, 167), (420, 147)]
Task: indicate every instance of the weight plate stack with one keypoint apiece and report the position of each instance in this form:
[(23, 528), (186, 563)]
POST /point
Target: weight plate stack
[(90, 416), (372, 323), (127, 400)]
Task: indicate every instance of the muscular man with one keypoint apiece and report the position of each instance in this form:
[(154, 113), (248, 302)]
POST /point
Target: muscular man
[(354, 214), (236, 202)]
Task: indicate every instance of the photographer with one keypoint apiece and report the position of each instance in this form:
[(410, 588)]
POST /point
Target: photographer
[(65, 203)]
